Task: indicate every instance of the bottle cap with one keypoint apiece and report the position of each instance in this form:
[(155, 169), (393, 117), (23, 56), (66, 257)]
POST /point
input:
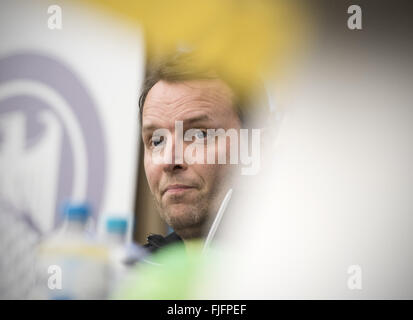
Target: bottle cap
[(116, 225), (76, 211)]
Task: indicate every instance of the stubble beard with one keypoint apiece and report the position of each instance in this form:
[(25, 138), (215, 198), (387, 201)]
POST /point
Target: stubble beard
[(189, 220)]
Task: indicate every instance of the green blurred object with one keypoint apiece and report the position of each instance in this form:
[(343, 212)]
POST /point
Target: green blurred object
[(171, 274)]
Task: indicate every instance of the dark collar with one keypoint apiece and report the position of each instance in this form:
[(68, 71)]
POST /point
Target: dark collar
[(156, 241)]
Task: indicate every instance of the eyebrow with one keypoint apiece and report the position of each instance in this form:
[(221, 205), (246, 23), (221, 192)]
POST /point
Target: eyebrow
[(200, 118)]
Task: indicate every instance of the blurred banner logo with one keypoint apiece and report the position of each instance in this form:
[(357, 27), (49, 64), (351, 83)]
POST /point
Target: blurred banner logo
[(51, 139)]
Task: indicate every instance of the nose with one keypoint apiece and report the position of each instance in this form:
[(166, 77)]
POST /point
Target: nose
[(175, 150)]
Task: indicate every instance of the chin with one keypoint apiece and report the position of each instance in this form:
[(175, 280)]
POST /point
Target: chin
[(184, 217)]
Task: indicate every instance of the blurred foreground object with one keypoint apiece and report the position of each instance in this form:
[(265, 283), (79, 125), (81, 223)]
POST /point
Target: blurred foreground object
[(72, 265), (332, 217), (243, 40), (172, 273)]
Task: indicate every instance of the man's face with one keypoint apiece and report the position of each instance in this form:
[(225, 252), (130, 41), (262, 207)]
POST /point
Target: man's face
[(188, 195)]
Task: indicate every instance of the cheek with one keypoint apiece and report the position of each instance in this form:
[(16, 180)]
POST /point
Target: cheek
[(210, 173), (152, 173)]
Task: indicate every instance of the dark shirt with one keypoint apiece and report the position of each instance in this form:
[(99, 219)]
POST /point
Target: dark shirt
[(156, 241)]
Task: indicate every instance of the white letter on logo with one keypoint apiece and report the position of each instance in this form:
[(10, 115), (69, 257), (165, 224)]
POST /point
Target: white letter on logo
[(255, 159), (194, 152), (179, 142), (354, 21), (162, 154), (55, 20), (55, 280), (354, 282)]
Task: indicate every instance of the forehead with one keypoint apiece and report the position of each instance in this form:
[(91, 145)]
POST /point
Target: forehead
[(170, 101)]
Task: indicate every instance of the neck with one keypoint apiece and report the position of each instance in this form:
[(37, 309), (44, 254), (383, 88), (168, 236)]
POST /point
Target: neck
[(196, 232), (191, 233)]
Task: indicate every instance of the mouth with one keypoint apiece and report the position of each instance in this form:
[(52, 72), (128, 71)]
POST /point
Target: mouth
[(177, 188)]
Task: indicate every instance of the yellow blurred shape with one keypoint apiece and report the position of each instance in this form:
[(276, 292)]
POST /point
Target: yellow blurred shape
[(241, 39)]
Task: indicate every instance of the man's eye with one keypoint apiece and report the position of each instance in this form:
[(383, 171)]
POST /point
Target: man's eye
[(157, 141), (201, 134)]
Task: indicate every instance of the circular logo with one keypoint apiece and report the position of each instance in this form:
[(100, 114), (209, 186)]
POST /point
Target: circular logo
[(51, 139)]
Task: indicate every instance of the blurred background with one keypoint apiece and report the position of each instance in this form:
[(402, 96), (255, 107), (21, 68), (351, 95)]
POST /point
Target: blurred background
[(337, 179)]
